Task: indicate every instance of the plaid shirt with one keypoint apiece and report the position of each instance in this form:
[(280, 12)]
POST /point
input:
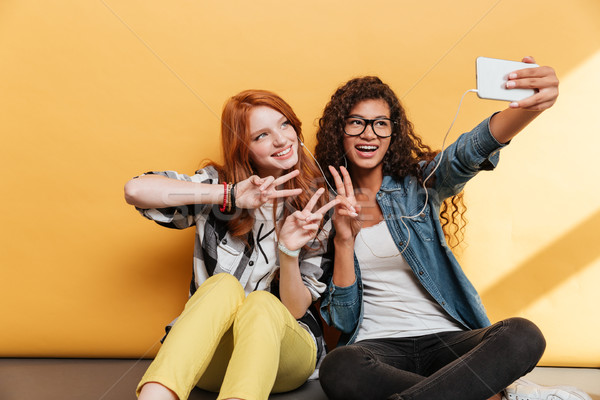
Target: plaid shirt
[(217, 251)]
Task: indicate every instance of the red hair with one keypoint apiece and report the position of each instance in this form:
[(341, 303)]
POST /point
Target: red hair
[(237, 166)]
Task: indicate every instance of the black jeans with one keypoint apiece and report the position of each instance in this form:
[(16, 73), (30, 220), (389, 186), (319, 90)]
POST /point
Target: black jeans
[(468, 365)]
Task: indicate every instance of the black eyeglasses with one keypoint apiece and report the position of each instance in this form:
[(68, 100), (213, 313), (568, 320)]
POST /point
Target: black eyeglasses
[(355, 126)]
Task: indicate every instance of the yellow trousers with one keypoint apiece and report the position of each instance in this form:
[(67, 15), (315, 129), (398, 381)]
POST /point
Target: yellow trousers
[(242, 347)]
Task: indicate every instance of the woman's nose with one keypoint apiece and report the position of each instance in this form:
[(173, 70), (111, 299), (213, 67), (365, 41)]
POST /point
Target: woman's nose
[(369, 133), (279, 138)]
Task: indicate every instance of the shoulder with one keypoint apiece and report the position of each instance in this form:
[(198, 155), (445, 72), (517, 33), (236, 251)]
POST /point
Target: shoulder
[(208, 174)]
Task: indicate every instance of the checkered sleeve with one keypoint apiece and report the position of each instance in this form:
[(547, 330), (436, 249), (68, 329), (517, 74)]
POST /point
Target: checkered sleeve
[(181, 217)]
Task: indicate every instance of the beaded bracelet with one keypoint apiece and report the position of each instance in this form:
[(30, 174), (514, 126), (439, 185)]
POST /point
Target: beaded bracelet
[(224, 206), (285, 250)]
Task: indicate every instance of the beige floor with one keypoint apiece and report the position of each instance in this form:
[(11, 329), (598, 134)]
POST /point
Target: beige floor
[(94, 379)]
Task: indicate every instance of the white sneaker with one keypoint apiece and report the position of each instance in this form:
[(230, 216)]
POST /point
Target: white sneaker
[(523, 389)]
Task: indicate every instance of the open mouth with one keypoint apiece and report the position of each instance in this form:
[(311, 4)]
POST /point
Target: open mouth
[(283, 153), (363, 148)]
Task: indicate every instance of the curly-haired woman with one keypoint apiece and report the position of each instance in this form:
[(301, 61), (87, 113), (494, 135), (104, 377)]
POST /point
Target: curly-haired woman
[(246, 329), (413, 325)]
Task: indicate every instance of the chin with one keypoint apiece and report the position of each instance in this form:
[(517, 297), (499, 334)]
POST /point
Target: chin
[(291, 163)]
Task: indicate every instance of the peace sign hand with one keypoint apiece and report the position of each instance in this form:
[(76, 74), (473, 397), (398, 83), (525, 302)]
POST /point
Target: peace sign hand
[(345, 219), (255, 191), (302, 226)]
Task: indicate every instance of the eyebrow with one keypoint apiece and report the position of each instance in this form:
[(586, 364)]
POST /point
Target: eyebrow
[(360, 116)]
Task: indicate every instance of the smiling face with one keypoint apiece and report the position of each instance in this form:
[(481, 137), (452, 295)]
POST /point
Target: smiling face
[(273, 142), (366, 151)]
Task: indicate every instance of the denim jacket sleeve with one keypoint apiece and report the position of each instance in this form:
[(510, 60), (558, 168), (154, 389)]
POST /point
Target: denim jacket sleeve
[(472, 152), (340, 306)]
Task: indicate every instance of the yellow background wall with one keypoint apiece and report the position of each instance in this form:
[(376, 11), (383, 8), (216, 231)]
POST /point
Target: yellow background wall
[(93, 93)]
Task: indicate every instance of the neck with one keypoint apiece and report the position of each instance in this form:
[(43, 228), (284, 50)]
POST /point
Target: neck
[(368, 181)]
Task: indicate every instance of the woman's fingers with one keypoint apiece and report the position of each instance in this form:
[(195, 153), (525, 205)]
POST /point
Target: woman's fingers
[(266, 182), (323, 210), (313, 200), (528, 59), (347, 204), (255, 180), (339, 185), (284, 193), (542, 79), (344, 212), (347, 182), (311, 227), (285, 178)]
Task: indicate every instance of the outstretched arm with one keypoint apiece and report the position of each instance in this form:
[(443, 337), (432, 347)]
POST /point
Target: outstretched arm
[(508, 123), (155, 191)]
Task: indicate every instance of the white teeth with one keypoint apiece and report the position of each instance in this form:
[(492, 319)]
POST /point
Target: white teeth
[(284, 152), (367, 148)]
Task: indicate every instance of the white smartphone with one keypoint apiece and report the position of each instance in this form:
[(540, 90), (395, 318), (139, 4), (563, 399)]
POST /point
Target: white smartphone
[(492, 75)]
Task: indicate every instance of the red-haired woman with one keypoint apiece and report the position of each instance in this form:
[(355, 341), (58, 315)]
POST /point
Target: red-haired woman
[(259, 259)]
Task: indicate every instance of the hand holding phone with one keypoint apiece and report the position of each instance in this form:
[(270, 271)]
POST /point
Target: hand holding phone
[(492, 75)]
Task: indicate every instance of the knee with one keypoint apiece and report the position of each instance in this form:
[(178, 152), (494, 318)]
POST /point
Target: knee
[(340, 371), (260, 307), (526, 340), (261, 299), (226, 283), (225, 280), (222, 286)]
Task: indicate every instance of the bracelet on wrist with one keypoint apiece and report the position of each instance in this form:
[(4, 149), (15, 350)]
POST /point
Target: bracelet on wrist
[(231, 198), (285, 250), (224, 206)]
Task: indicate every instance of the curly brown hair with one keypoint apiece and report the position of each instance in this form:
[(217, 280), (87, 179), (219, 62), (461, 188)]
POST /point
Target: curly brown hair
[(406, 151)]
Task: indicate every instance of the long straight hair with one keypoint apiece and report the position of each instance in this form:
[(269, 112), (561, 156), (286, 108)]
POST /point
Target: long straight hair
[(237, 165)]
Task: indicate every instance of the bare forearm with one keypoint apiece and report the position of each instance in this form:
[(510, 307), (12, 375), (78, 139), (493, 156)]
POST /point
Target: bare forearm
[(152, 191), (343, 264), (292, 291), (508, 123)]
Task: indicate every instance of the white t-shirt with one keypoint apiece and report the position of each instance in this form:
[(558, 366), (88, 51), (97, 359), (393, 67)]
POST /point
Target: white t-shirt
[(395, 302)]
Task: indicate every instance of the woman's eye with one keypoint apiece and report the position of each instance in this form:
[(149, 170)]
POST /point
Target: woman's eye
[(382, 123), (260, 136), (285, 124), (359, 122)]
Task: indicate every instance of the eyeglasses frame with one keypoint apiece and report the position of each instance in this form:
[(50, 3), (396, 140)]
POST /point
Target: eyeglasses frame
[(370, 122)]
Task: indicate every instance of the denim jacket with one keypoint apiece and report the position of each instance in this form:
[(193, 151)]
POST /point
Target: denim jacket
[(427, 253)]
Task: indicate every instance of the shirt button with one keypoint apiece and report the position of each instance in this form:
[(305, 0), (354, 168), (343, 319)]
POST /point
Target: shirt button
[(400, 243), (422, 215), (420, 272), (443, 303), (389, 216), (251, 263), (224, 241)]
